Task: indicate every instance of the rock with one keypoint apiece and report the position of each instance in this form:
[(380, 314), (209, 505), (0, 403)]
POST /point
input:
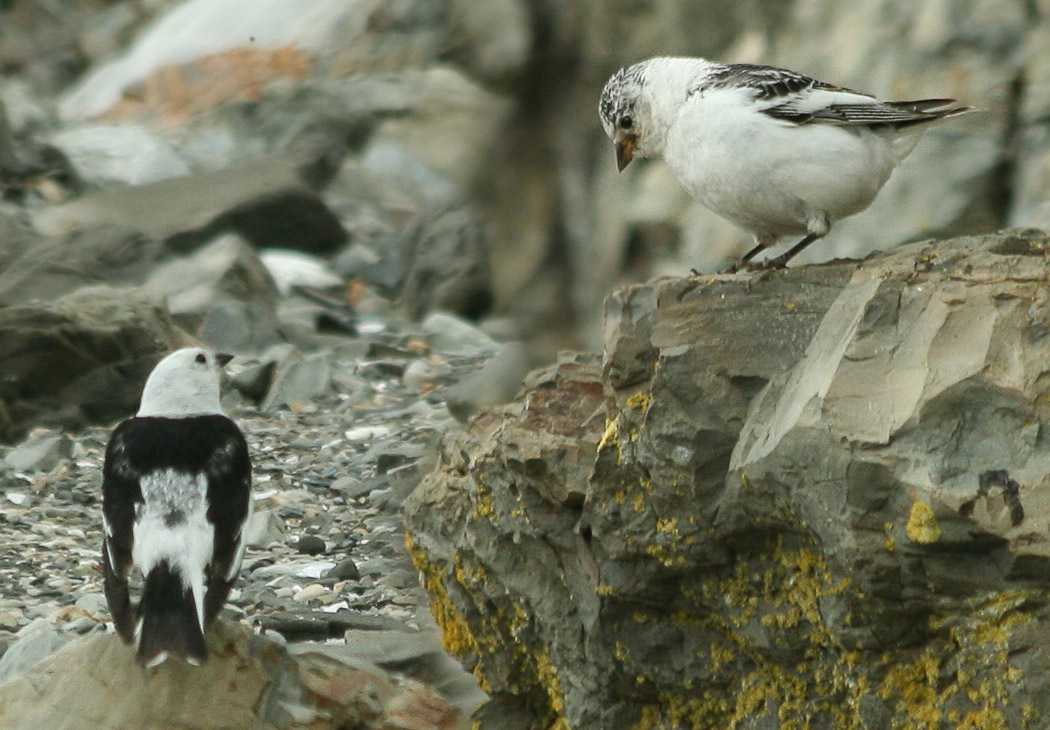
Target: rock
[(310, 545), (34, 643), (112, 155), (345, 570), (42, 451), (264, 201), (825, 482), (296, 379), (310, 592), (223, 293), (452, 334), (82, 358), (264, 527), (295, 268), (55, 267), (219, 27), (248, 682), (446, 265), (494, 383)]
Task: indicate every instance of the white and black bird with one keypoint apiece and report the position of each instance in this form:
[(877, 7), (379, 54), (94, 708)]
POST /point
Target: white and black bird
[(773, 151), (176, 494)]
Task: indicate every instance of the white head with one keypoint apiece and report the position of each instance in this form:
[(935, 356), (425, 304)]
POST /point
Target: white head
[(185, 383), (639, 103)]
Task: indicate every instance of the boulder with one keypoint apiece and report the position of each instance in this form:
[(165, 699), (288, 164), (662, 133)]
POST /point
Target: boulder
[(44, 270), (81, 358), (248, 682), (222, 292), (264, 201), (815, 498)]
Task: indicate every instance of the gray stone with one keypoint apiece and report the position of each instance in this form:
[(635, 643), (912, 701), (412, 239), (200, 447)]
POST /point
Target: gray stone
[(345, 570), (452, 334), (446, 265), (42, 451), (221, 292), (112, 155), (264, 527), (34, 643), (832, 474), (55, 267), (297, 379), (494, 383), (264, 201), (310, 545)]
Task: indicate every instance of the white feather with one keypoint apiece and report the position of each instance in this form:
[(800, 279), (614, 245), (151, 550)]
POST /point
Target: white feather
[(187, 544)]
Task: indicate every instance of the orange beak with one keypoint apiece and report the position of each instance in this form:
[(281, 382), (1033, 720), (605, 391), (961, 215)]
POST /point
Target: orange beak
[(625, 152)]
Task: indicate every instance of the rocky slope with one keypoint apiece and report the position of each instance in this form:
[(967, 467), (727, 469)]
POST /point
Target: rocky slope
[(815, 498)]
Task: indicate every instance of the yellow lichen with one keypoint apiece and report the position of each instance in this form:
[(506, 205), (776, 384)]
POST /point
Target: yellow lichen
[(609, 435), (890, 544), (922, 524), (640, 401)]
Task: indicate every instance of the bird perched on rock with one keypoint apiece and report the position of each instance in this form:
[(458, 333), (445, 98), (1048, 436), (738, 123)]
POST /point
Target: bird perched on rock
[(175, 499), (773, 151)]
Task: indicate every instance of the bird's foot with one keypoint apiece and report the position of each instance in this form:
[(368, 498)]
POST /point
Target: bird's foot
[(777, 262)]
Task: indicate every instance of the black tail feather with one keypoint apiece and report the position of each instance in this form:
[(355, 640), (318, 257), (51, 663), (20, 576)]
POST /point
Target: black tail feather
[(115, 563), (169, 619)]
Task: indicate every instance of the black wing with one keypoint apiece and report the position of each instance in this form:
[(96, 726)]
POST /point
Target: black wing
[(120, 496), (768, 82), (229, 472), (890, 113), (787, 91)]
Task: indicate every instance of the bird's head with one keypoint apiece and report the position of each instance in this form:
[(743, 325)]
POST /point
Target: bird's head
[(623, 113), (185, 383)]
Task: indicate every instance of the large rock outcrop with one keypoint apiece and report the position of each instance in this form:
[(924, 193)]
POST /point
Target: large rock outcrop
[(815, 498)]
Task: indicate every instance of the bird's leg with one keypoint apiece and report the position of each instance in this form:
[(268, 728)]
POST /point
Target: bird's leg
[(779, 262), (746, 257)]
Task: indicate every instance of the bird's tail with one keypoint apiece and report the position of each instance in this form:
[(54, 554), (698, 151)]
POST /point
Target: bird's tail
[(169, 623)]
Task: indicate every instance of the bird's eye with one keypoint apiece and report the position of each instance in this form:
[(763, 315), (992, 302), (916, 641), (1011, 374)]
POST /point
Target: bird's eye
[(626, 122), (201, 359)]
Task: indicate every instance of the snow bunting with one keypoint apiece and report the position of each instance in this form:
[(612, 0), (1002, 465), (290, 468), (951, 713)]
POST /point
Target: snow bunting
[(176, 493), (771, 150)]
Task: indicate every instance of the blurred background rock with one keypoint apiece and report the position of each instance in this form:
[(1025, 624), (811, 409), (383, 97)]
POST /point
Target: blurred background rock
[(457, 145)]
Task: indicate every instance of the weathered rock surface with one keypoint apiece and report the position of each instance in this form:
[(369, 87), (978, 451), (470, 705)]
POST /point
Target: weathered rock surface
[(813, 498), (80, 358), (248, 682)]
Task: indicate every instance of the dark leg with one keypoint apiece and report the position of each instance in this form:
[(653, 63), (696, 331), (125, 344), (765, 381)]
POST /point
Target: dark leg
[(747, 257), (779, 262)]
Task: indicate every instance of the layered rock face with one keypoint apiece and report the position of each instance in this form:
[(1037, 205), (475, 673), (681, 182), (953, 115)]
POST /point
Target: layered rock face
[(815, 498)]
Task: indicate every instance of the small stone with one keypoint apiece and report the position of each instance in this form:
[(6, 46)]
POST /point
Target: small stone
[(345, 570), (314, 590), (40, 452), (310, 545), (10, 619), (264, 527)]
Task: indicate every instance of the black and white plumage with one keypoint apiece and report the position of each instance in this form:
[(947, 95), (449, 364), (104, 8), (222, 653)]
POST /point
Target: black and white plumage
[(176, 494), (771, 150)]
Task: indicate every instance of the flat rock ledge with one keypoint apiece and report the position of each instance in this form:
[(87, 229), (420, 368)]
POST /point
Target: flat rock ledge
[(813, 498), (249, 682)]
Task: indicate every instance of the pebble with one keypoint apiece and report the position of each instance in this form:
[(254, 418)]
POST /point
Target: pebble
[(310, 545), (314, 590)]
